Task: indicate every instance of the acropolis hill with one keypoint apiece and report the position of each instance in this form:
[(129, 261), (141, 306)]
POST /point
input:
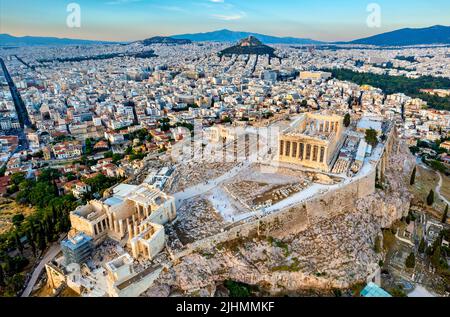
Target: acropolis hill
[(303, 212)]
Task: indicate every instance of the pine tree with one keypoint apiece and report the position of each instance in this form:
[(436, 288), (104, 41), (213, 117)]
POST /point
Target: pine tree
[(18, 242), (413, 177), (41, 240), (32, 230), (54, 214), (430, 198), (422, 246), (347, 120), (31, 242), (445, 215), (436, 257), (49, 229), (410, 261)]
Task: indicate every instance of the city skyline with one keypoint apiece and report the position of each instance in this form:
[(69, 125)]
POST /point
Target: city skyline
[(128, 20)]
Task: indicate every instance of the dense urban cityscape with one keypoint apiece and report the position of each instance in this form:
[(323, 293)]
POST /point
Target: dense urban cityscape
[(175, 167)]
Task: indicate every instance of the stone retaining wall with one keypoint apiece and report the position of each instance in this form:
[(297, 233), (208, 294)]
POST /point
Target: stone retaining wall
[(292, 220)]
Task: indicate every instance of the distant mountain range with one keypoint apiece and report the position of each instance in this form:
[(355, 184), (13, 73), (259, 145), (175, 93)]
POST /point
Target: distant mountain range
[(437, 34), (232, 36), (9, 40)]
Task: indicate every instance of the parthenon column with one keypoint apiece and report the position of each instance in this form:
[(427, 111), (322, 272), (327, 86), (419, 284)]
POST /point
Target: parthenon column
[(294, 149), (121, 227), (130, 231), (110, 222)]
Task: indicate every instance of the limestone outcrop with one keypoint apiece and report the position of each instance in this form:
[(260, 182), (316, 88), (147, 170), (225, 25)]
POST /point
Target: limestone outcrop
[(334, 252)]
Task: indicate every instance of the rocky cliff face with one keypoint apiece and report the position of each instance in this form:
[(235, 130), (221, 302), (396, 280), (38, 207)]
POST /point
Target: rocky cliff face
[(334, 253), (393, 201)]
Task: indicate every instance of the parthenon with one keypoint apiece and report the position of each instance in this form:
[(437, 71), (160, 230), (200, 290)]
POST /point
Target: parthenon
[(312, 141)]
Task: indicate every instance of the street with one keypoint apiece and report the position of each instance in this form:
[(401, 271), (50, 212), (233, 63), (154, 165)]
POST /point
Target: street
[(48, 257)]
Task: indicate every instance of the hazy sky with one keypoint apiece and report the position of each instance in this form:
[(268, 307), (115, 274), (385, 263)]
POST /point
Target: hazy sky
[(126, 20)]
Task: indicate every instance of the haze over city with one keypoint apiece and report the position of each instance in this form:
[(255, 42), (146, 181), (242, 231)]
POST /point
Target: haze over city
[(127, 20)]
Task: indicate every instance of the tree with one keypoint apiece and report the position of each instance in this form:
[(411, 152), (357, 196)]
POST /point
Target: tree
[(377, 247), (371, 137), (14, 284), (54, 215), (237, 289), (413, 177), (41, 240), (3, 170), (18, 242), (31, 242), (422, 246), (2, 276), (70, 176), (410, 261), (88, 146), (347, 120), (226, 120), (17, 220), (17, 178), (436, 257), (397, 292), (430, 198), (445, 215)]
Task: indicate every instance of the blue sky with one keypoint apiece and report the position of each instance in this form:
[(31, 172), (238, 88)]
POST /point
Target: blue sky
[(137, 19)]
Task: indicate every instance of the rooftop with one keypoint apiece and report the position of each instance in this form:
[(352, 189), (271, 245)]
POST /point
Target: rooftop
[(76, 241)]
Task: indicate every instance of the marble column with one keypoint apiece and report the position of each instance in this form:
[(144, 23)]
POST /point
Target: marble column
[(121, 227), (130, 230), (134, 249), (149, 253)]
